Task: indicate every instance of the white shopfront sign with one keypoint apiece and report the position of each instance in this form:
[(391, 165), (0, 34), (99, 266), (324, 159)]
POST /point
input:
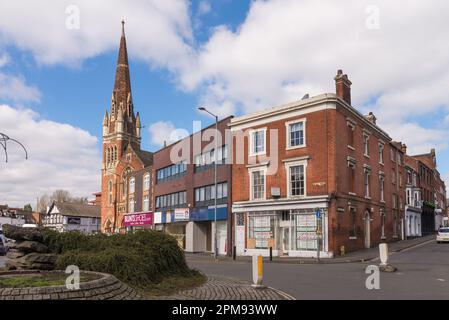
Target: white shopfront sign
[(182, 214)]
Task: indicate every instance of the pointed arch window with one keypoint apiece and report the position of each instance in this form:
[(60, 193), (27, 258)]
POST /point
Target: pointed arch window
[(110, 192)]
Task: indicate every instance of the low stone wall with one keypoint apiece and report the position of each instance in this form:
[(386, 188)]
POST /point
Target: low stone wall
[(106, 288)]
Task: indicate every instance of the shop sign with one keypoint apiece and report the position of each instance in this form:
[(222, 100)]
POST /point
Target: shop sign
[(182, 214), (139, 219)]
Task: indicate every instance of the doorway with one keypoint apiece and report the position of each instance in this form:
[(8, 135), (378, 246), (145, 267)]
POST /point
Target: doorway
[(367, 230), (285, 240)]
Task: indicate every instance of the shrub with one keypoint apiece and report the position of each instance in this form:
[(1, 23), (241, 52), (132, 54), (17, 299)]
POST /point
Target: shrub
[(139, 259)]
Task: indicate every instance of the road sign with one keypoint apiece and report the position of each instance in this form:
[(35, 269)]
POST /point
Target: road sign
[(318, 213)]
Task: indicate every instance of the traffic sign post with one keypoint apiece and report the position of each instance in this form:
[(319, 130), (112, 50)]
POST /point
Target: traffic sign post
[(318, 233)]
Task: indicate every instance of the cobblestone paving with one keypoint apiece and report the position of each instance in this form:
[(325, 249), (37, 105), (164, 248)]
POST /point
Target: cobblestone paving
[(219, 288)]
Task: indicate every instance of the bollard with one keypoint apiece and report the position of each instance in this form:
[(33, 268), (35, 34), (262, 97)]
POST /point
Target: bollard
[(383, 254), (271, 254), (234, 253), (257, 272)]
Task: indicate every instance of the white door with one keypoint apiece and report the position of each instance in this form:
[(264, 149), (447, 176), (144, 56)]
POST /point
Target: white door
[(240, 234), (285, 240), (367, 230), (221, 237)]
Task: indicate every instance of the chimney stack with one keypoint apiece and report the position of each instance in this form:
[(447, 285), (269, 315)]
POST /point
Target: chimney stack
[(404, 148), (371, 118), (343, 86)]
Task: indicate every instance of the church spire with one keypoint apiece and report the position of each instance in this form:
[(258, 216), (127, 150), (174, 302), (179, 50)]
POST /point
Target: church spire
[(122, 86)]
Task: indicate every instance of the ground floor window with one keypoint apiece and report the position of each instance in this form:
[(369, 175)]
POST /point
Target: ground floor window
[(261, 231), (305, 227)]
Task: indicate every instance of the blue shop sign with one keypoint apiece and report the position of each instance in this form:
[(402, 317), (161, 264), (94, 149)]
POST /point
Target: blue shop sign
[(208, 214)]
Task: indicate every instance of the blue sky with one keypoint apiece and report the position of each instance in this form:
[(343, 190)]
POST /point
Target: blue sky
[(235, 57)]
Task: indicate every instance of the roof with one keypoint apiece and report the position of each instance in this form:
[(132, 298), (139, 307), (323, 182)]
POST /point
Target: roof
[(226, 120), (304, 104), (77, 209), (145, 156)]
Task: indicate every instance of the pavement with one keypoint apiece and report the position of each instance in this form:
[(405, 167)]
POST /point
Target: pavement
[(227, 288), (423, 273), (356, 256)]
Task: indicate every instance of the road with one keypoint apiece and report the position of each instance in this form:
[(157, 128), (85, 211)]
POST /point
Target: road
[(423, 273)]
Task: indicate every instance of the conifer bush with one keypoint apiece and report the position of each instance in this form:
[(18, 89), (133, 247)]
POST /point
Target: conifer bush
[(139, 259)]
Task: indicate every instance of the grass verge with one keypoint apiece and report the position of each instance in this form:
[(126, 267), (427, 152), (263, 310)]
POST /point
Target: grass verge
[(40, 280)]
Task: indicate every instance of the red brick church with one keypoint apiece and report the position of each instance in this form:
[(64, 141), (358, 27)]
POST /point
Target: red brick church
[(122, 152)]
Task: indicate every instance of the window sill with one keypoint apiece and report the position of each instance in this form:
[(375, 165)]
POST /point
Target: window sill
[(352, 194), (352, 238), (381, 163), (351, 147), (296, 147), (368, 198), (367, 156), (257, 200), (257, 154)]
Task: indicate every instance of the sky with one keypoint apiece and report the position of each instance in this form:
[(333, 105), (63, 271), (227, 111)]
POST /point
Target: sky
[(57, 66)]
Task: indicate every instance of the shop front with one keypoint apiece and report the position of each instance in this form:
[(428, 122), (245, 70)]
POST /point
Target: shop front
[(194, 228), (138, 221), (290, 228)]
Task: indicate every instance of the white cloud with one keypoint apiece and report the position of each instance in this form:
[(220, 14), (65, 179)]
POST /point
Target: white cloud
[(283, 50), (287, 48), (4, 59), (162, 133), (60, 157), (14, 88), (157, 31), (204, 7)]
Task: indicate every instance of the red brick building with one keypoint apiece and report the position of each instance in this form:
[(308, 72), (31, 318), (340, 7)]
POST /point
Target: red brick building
[(184, 190), (122, 154), (317, 153), (433, 191)]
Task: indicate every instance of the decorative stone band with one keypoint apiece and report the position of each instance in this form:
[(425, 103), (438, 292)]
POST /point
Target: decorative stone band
[(105, 288)]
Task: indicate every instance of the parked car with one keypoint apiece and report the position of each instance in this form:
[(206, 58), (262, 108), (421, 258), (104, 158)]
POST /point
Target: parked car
[(443, 235), (3, 247), (29, 225)]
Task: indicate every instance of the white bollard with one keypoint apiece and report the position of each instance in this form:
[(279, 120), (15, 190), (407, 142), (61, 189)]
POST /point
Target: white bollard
[(257, 271), (383, 254)]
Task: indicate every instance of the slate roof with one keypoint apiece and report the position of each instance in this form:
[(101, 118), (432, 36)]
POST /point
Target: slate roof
[(77, 209)]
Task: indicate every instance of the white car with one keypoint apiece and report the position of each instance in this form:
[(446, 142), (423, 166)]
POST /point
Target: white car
[(443, 235)]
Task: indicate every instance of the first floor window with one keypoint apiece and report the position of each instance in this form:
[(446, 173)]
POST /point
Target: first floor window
[(382, 187), (146, 182), (146, 203), (297, 180), (258, 184), (132, 184), (367, 181), (351, 177)]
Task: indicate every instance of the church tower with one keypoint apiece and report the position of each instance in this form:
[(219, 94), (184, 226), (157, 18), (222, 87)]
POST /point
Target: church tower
[(121, 132)]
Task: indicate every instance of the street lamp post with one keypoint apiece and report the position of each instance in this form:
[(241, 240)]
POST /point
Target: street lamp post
[(215, 173)]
